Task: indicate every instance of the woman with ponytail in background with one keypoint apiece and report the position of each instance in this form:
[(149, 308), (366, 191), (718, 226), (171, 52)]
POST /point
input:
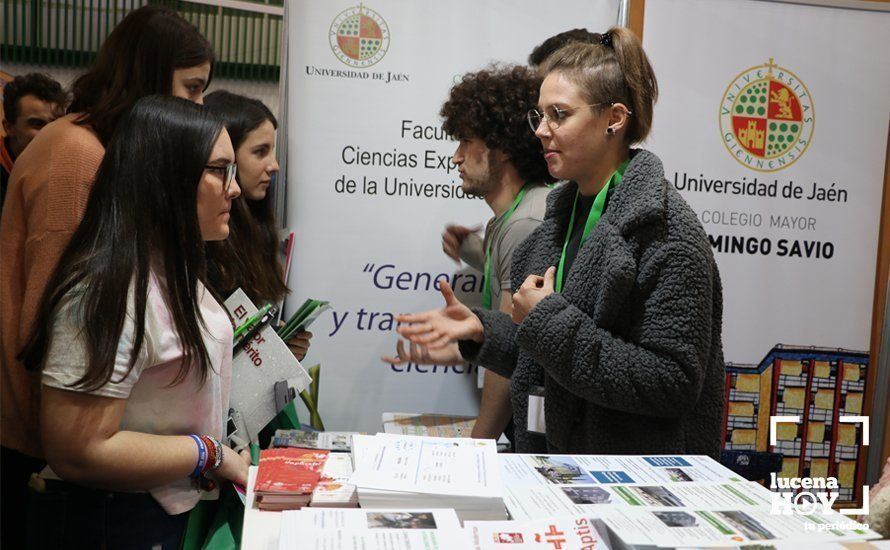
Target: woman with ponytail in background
[(615, 335)]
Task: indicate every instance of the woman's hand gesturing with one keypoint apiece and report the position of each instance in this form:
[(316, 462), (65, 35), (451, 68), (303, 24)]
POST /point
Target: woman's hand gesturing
[(437, 328)]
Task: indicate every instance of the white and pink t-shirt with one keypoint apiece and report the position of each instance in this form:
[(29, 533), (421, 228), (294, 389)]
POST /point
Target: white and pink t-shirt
[(153, 405)]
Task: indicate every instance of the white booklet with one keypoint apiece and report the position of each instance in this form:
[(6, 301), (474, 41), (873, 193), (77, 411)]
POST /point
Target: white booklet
[(433, 465), (333, 489), (261, 362)]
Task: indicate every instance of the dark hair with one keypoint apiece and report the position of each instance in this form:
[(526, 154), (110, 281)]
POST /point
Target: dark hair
[(38, 85), (137, 59), (615, 70), (491, 105), (142, 209), (557, 41), (249, 257)]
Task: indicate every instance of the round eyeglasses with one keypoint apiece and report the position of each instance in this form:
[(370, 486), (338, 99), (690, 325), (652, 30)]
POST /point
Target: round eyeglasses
[(554, 115)]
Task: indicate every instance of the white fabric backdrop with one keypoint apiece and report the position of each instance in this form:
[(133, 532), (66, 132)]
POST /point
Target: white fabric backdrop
[(698, 47), (347, 241)]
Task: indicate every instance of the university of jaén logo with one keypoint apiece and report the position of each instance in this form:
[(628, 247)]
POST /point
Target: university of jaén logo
[(359, 37), (766, 117)]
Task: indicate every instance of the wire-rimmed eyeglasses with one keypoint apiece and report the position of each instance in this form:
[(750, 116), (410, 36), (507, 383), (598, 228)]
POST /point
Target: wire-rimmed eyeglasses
[(556, 115), (227, 173)]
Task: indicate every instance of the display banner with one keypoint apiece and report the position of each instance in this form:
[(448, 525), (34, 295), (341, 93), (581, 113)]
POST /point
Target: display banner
[(772, 123), (371, 185)]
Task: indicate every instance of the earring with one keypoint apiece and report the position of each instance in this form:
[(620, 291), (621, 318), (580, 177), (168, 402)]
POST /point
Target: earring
[(610, 130)]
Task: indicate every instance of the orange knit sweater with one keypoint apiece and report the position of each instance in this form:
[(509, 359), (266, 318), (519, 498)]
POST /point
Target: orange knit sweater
[(45, 201)]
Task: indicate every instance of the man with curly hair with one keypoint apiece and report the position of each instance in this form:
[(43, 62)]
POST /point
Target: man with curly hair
[(30, 102), (500, 160)]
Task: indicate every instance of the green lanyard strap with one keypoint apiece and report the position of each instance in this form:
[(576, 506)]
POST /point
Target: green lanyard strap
[(596, 212), (486, 285)]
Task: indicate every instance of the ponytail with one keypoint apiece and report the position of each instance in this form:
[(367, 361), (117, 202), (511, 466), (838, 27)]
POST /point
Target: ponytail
[(616, 70), (642, 87)]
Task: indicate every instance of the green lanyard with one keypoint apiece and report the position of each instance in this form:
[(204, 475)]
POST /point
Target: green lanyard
[(486, 285), (599, 204)]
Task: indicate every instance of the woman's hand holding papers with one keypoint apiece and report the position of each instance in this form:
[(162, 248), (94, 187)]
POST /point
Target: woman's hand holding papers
[(299, 344)]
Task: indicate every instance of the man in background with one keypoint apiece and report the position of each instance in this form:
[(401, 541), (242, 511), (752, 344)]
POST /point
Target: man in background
[(30, 102), (500, 160)]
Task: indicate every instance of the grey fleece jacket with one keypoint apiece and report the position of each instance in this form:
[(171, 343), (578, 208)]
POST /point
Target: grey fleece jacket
[(630, 353)]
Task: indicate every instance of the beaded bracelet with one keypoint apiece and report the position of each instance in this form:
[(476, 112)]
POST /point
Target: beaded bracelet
[(218, 459), (215, 458), (210, 458)]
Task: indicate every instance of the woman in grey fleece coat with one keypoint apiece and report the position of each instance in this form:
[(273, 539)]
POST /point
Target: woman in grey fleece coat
[(617, 312)]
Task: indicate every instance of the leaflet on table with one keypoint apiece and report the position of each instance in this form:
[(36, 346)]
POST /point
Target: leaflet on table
[(371, 529), (332, 441), (372, 539), (309, 519), (436, 425), (441, 465), (608, 469), (850, 545), (577, 533), (333, 488), (534, 501), (676, 527), (256, 367)]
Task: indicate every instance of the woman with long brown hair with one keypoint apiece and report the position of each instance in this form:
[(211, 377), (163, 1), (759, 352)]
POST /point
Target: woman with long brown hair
[(249, 258), (133, 352), (153, 50)]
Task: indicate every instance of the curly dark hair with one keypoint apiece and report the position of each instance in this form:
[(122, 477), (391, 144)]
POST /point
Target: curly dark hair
[(39, 85), (546, 48), (491, 105)]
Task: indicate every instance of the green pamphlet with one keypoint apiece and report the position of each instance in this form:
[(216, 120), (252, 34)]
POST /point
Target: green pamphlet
[(302, 318)]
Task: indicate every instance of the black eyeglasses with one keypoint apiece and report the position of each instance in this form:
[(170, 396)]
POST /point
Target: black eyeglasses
[(227, 173)]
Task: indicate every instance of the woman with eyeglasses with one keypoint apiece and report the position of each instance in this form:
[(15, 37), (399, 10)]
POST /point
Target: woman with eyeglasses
[(249, 258), (614, 345), (153, 50), (133, 352)]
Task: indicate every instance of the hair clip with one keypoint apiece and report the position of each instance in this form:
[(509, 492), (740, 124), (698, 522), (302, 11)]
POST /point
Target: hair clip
[(606, 39)]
